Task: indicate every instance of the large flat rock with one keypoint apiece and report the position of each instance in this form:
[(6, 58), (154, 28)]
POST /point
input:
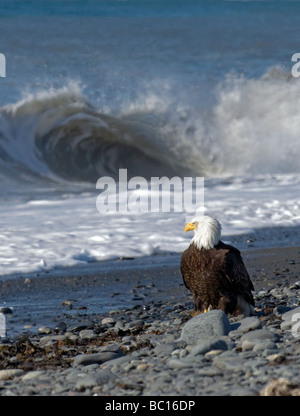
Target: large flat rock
[(211, 324)]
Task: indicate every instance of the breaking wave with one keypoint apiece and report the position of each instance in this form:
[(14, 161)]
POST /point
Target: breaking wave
[(252, 128)]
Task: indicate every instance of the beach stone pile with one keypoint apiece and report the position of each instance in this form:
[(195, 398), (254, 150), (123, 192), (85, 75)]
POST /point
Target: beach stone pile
[(161, 348)]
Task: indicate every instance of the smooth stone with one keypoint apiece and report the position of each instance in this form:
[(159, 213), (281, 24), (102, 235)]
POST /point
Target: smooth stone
[(286, 325), (264, 345), (10, 373), (87, 334), (44, 330), (289, 319), (233, 364), (31, 375), (78, 326), (212, 354), (88, 381), (108, 321), (92, 380), (142, 367), (242, 391), (287, 316), (247, 345), (211, 324), (165, 348), (60, 327), (178, 364), (96, 358), (116, 362), (260, 335), (132, 325), (281, 310), (248, 324), (209, 371), (275, 358), (111, 348), (51, 339), (212, 344)]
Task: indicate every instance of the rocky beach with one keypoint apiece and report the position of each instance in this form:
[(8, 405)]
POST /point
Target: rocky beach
[(119, 122), (58, 343)]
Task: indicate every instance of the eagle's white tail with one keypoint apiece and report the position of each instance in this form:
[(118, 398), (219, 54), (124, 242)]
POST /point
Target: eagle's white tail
[(245, 306)]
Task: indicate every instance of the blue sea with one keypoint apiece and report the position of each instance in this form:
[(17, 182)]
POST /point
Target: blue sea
[(160, 88)]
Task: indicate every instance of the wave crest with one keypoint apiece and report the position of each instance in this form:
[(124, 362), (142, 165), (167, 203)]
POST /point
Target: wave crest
[(252, 128)]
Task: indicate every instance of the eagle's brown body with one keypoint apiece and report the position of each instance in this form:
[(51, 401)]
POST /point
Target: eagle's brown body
[(217, 277)]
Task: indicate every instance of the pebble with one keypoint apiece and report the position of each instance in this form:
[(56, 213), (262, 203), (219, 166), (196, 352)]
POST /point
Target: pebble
[(7, 374), (259, 335), (97, 358), (158, 349)]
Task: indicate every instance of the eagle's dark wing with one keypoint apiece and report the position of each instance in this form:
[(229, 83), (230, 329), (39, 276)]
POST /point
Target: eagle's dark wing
[(237, 274), (216, 277)]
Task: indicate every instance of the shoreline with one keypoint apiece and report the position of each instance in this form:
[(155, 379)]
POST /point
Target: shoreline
[(36, 299), (62, 341)]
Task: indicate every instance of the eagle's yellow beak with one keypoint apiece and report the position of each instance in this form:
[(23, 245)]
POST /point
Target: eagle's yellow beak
[(189, 227)]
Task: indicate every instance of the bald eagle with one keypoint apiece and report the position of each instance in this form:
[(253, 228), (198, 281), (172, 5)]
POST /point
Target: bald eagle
[(214, 272)]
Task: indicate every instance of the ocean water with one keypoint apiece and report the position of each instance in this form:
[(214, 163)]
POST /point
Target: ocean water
[(160, 88)]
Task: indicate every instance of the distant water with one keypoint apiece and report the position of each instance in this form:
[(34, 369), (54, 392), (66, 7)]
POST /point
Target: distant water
[(198, 88)]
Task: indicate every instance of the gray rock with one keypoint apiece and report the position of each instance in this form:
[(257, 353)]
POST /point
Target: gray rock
[(87, 334), (88, 381), (112, 348), (264, 345), (108, 321), (31, 375), (60, 327), (133, 324), (290, 318), (44, 330), (286, 325), (211, 344), (96, 358), (281, 309), (79, 326), (248, 324), (287, 316), (242, 391), (260, 335), (163, 349), (247, 345), (117, 362), (178, 364), (231, 362), (211, 324), (10, 373), (51, 339)]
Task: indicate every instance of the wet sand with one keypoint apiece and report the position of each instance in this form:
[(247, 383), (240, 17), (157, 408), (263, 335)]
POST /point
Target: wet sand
[(96, 288)]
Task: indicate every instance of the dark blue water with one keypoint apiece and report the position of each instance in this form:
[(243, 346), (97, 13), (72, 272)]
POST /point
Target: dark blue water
[(157, 87)]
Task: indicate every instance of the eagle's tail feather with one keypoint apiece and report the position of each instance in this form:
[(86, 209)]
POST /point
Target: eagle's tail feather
[(246, 307)]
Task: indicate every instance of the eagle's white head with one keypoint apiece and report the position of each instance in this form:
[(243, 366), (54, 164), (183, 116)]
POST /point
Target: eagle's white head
[(207, 231)]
